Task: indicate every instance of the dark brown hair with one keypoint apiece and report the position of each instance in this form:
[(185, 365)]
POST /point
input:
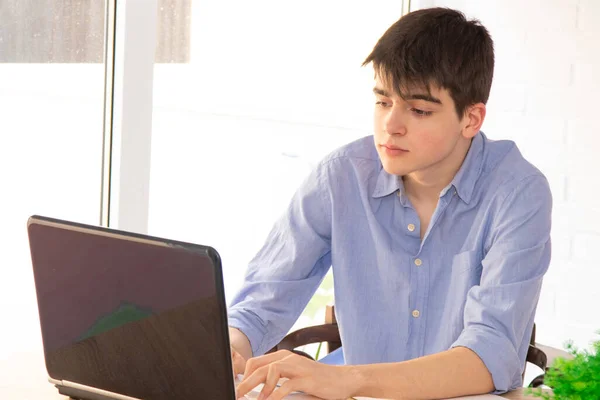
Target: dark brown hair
[(437, 46)]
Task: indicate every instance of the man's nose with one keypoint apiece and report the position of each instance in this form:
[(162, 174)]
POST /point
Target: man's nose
[(395, 122)]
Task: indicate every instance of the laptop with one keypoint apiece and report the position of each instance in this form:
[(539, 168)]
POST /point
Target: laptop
[(129, 316)]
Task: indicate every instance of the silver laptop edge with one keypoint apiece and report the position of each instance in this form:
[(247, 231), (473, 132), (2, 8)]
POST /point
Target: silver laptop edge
[(91, 389)]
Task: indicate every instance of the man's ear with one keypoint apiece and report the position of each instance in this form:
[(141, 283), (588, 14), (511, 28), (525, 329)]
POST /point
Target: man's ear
[(473, 119)]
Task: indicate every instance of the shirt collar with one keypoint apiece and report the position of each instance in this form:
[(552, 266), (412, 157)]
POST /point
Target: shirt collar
[(466, 177), (387, 184), (463, 182)]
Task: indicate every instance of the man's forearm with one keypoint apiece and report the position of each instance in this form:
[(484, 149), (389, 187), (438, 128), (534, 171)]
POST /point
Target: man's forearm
[(456, 372), (240, 343)]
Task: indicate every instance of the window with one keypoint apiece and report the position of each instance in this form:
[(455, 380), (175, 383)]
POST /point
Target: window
[(269, 89), (52, 100)]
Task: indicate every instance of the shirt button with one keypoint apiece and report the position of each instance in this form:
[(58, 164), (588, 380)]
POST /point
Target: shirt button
[(411, 227), (416, 313), (418, 262)]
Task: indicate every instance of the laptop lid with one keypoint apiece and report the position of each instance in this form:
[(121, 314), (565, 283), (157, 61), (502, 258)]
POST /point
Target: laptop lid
[(130, 314)]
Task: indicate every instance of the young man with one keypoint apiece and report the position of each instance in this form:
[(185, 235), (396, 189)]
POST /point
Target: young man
[(438, 237)]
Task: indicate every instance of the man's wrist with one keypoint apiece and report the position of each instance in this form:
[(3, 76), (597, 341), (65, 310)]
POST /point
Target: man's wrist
[(355, 379), (240, 342)]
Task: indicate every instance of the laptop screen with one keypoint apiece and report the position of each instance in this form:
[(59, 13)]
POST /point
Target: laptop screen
[(130, 315)]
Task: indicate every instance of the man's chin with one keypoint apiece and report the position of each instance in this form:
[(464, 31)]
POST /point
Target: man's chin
[(398, 170)]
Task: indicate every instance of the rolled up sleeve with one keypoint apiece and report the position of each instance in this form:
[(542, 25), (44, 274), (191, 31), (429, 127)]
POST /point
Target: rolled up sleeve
[(499, 312), (288, 269)]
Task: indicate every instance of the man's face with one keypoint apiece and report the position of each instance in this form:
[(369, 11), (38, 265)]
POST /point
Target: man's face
[(417, 133)]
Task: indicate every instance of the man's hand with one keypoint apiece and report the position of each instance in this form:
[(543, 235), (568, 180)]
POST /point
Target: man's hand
[(238, 362), (304, 375), (240, 350)]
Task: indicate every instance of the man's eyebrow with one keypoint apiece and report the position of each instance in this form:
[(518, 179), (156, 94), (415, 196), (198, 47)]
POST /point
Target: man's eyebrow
[(415, 96), (380, 92), (423, 96)]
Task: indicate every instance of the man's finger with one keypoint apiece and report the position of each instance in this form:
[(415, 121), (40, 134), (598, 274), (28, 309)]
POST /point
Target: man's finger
[(292, 385), (271, 381), (283, 369), (239, 364), (254, 363), (252, 381)]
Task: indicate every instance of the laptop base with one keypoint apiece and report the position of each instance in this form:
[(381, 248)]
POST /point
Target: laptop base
[(78, 394)]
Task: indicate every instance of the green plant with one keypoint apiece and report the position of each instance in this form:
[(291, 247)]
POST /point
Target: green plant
[(575, 379), (318, 351)]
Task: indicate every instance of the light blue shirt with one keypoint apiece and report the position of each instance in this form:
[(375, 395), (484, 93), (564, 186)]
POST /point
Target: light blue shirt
[(473, 281)]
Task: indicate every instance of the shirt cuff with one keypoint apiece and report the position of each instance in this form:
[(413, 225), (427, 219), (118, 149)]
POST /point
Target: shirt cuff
[(497, 353), (254, 331)]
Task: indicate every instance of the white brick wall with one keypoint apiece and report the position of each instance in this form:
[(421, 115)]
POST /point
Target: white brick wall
[(545, 98)]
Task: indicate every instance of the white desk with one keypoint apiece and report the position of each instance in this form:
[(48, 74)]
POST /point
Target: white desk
[(24, 377)]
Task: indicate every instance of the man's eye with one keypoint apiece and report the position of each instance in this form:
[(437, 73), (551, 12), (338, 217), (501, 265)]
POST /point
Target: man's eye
[(382, 103), (420, 113)]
